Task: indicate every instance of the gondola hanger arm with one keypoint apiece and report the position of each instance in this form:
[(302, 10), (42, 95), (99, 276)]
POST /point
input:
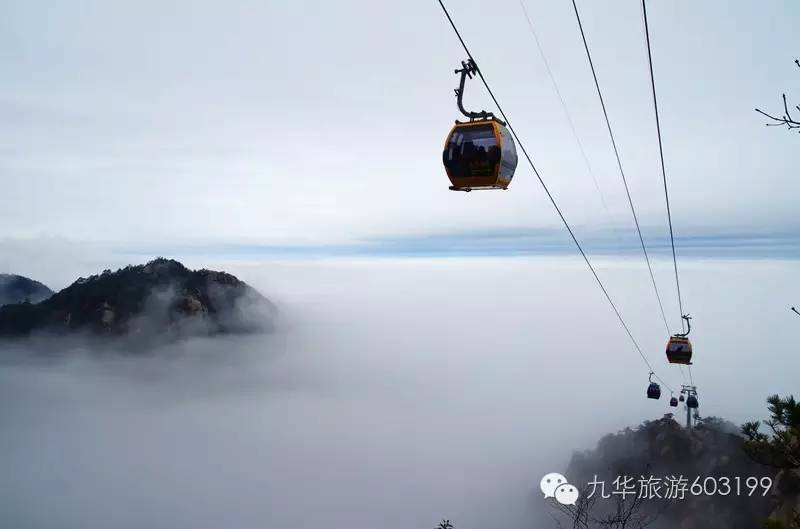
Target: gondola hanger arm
[(468, 68), (688, 326)]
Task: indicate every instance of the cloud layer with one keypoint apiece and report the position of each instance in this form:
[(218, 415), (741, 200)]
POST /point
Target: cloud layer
[(395, 393)]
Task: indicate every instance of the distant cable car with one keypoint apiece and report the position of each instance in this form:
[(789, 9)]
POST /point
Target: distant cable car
[(691, 402), (679, 348), (673, 402), (479, 153), (681, 398), (653, 390)]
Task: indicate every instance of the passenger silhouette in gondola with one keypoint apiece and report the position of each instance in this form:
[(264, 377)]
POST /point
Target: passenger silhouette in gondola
[(480, 160), (470, 153)]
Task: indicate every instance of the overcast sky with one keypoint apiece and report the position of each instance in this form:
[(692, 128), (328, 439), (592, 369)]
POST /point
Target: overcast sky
[(143, 124)]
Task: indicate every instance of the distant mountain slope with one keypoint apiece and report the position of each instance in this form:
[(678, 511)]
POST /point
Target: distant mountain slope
[(159, 298), (18, 289), (662, 448)]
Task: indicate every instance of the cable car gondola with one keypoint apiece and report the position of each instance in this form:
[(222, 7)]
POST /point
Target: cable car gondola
[(679, 348), (681, 398), (653, 390), (479, 153), (673, 402), (691, 402)]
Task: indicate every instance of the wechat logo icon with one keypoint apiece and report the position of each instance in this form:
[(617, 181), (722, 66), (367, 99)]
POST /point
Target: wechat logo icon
[(555, 485)]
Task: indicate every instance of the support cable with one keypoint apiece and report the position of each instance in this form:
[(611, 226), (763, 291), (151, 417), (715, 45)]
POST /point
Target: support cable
[(563, 105), (550, 196), (619, 165), (661, 155)]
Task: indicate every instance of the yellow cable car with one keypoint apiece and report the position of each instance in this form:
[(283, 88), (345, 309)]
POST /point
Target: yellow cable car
[(679, 348), (479, 153)]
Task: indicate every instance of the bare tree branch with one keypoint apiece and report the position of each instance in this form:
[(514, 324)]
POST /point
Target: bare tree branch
[(626, 513), (786, 120)]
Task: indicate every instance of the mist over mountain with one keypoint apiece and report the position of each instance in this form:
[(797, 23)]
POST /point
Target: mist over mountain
[(160, 299), (372, 403), (664, 450), (19, 289)]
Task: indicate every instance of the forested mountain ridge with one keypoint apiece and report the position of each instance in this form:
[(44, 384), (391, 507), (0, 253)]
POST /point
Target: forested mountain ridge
[(674, 477), (161, 296)]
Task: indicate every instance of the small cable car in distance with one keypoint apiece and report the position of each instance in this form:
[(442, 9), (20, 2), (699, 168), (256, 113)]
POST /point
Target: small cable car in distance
[(691, 396), (653, 390), (673, 402), (479, 153), (679, 348)]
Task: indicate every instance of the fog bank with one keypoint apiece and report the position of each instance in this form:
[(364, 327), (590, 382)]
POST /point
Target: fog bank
[(393, 393)]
